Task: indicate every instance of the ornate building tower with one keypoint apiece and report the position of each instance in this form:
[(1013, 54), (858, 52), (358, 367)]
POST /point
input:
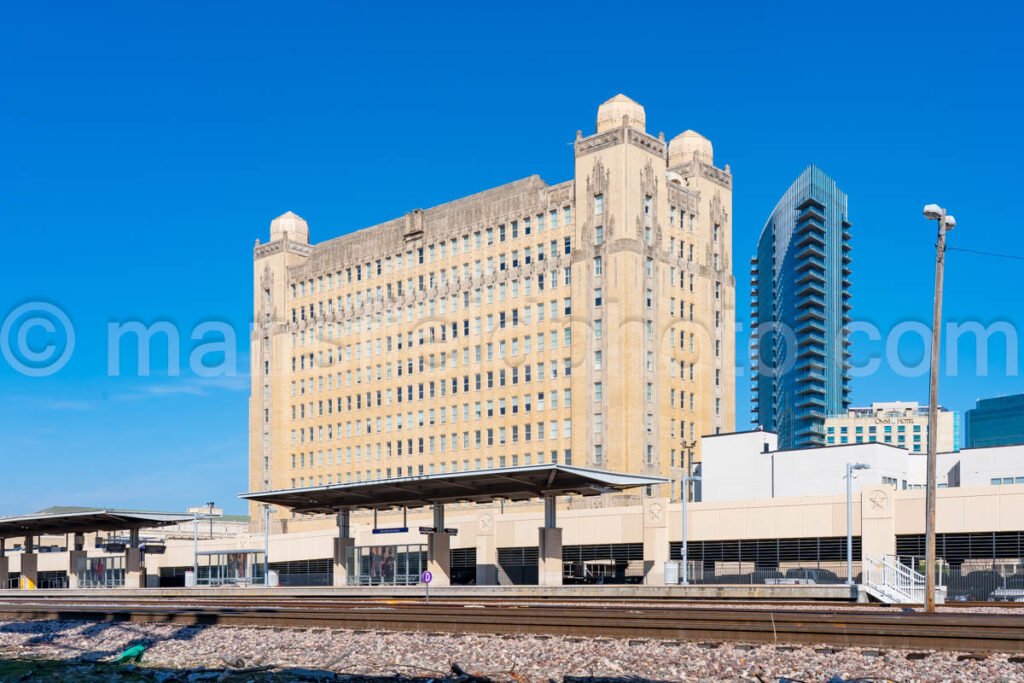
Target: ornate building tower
[(653, 296)]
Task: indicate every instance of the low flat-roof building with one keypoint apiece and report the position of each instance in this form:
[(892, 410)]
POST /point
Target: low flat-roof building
[(747, 465), (994, 466)]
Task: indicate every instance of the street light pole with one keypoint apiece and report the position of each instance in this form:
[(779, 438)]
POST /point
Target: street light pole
[(686, 461), (210, 505), (945, 222), (195, 548), (266, 545), (684, 575), (850, 467)]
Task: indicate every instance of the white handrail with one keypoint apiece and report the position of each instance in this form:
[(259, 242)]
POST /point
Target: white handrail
[(895, 580)]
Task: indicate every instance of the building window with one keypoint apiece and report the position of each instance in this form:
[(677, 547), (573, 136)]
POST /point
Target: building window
[(598, 266), (598, 298), (598, 204), (599, 235)]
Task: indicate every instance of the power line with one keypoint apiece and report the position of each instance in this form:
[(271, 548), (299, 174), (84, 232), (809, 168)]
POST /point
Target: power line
[(986, 253)]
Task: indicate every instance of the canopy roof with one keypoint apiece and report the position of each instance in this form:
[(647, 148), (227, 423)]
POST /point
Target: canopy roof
[(479, 486), (84, 520)]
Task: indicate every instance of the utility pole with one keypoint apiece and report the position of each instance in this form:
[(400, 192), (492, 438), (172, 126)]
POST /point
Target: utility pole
[(210, 505), (946, 222)]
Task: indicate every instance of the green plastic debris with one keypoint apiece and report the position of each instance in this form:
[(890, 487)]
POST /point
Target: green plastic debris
[(132, 654)]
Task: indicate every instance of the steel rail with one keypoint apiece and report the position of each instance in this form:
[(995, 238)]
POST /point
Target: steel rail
[(966, 632)]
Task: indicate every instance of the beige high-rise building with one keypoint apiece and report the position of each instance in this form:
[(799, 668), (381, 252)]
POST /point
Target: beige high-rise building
[(589, 322)]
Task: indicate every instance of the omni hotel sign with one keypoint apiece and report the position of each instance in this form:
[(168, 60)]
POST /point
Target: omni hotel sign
[(894, 420)]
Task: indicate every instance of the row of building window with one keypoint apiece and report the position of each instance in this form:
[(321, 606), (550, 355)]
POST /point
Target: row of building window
[(872, 429), (443, 360), (430, 253), (510, 405), (432, 308), (421, 470), (481, 381), (319, 310), (479, 438)]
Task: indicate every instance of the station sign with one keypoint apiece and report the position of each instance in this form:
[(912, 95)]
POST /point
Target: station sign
[(392, 530), (433, 530)]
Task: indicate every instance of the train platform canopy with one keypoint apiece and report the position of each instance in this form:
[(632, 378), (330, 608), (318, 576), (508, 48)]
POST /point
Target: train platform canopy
[(478, 486), (86, 520)]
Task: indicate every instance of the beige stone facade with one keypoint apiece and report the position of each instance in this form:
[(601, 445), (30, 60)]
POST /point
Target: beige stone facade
[(589, 322), (900, 423)]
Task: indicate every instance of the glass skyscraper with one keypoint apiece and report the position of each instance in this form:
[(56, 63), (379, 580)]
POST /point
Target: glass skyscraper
[(800, 301), (996, 422)]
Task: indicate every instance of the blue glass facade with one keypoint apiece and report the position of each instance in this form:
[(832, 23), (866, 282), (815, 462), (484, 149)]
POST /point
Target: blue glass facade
[(800, 301), (996, 422)]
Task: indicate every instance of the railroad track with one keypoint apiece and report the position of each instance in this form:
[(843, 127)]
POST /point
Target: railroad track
[(963, 632), (242, 600)]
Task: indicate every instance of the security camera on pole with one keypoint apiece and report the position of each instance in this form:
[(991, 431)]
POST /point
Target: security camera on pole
[(946, 222)]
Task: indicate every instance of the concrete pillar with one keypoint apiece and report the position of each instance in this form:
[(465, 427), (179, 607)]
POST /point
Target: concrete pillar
[(29, 571), (877, 523), (549, 547), (439, 558), (439, 550), (655, 540), (486, 548), (29, 566), (73, 559), (134, 572), (342, 545)]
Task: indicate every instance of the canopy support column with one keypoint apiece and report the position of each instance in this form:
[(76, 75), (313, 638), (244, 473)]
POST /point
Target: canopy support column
[(29, 565), (486, 548), (4, 564), (134, 572), (76, 555), (549, 547), (343, 546), (439, 553)]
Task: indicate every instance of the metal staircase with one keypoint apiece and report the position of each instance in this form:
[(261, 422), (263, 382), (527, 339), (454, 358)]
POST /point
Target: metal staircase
[(890, 581)]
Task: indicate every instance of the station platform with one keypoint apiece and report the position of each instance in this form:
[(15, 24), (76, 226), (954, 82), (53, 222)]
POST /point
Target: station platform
[(766, 593)]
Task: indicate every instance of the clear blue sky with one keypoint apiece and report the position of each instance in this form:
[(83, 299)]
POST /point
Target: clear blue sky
[(146, 145)]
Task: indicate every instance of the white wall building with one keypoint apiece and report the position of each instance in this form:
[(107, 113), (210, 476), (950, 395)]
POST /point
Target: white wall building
[(746, 465), (996, 465)]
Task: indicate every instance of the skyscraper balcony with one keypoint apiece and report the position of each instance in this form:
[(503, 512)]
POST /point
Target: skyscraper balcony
[(810, 289)]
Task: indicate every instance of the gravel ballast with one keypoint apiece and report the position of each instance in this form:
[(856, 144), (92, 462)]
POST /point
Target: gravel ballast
[(520, 659)]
